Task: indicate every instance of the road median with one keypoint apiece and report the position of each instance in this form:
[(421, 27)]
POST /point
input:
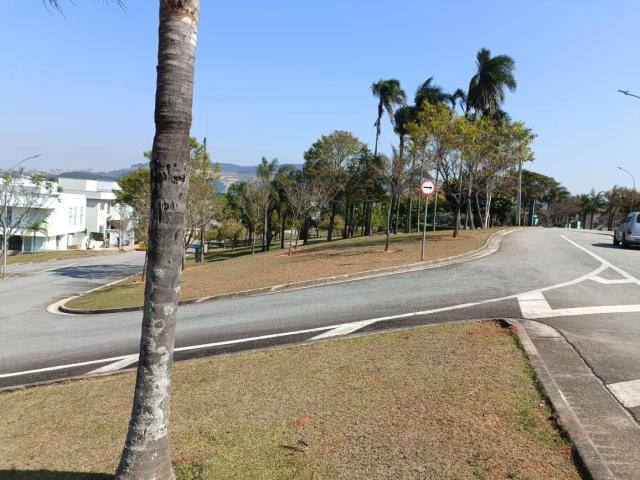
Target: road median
[(117, 297)]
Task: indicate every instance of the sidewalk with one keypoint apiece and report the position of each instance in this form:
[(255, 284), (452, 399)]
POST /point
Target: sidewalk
[(604, 433)]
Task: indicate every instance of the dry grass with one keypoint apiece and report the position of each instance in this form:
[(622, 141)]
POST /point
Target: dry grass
[(49, 255), (448, 402), (234, 271)]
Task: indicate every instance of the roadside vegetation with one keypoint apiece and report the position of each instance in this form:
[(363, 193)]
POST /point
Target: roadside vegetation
[(228, 271), (446, 402)]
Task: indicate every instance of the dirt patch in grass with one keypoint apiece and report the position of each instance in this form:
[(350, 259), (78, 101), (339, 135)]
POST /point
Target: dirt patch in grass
[(234, 271), (426, 403)]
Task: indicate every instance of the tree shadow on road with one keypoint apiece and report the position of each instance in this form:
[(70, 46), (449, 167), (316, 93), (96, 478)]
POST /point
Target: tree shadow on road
[(51, 475), (97, 271)]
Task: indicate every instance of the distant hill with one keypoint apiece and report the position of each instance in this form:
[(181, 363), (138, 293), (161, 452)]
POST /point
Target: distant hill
[(229, 173)]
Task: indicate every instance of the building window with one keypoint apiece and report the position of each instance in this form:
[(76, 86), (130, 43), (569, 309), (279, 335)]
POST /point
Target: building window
[(81, 215), (70, 216)]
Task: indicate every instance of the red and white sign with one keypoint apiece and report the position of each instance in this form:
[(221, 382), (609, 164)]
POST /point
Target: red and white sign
[(427, 187)]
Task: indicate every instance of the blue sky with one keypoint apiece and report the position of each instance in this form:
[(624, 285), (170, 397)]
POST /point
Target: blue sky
[(273, 76)]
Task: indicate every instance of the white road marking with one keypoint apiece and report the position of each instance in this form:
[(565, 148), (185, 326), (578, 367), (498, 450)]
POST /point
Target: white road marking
[(626, 275), (112, 367), (344, 329), (533, 298), (627, 393), (178, 349), (608, 281), (534, 305), (572, 312)]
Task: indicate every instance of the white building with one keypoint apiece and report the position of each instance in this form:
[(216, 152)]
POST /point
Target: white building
[(103, 212), (73, 214), (56, 220)]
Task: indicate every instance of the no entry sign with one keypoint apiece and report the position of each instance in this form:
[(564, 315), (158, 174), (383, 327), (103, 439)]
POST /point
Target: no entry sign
[(427, 187)]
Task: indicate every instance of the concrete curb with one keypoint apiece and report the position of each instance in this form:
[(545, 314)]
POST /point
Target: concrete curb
[(588, 432), (492, 245)]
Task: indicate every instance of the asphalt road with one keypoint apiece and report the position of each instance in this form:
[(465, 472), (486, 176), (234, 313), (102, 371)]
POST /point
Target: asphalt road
[(575, 281)]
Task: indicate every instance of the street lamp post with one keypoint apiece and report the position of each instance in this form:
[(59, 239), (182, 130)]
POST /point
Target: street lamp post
[(633, 194), (628, 93), (5, 214)]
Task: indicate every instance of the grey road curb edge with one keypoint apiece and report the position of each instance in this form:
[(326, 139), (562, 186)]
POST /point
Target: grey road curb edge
[(591, 459), (492, 245)]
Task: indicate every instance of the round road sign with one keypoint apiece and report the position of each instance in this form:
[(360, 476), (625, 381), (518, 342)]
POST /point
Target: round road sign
[(427, 187)]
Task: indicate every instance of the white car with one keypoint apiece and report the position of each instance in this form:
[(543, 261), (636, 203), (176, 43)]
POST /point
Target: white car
[(627, 232)]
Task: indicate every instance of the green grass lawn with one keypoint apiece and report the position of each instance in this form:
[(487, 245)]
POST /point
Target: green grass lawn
[(448, 402), (231, 271), (49, 255)]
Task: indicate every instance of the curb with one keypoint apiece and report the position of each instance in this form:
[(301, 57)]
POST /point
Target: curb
[(587, 450), (491, 245)]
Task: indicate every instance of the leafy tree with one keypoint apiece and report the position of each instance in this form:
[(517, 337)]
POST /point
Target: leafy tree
[(135, 192), (203, 205), (331, 160), (390, 95), (21, 201)]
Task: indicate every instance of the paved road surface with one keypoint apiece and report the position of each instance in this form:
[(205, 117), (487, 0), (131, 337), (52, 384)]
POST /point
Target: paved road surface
[(574, 281)]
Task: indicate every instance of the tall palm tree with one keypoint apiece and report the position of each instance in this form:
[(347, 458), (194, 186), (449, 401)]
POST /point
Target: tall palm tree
[(430, 92), (147, 452), (402, 118), (266, 172), (487, 87), (390, 95)]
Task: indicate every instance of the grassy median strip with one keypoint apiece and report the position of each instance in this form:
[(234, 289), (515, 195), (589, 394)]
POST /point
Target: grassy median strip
[(227, 271), (449, 402), (49, 255)]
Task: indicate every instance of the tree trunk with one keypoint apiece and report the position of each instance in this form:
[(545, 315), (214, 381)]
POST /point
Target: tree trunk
[(378, 121), (456, 228), (389, 207), (282, 228), (202, 229), (147, 453), (481, 217), (264, 229), (332, 220), (293, 225), (395, 228), (345, 229)]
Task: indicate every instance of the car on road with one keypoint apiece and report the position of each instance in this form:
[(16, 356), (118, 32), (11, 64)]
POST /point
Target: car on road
[(628, 231)]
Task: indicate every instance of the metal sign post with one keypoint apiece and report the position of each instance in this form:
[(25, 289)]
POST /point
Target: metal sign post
[(427, 188)]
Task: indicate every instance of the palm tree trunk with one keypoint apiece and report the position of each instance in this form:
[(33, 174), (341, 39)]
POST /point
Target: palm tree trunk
[(264, 228), (147, 453), (282, 228), (378, 121)]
